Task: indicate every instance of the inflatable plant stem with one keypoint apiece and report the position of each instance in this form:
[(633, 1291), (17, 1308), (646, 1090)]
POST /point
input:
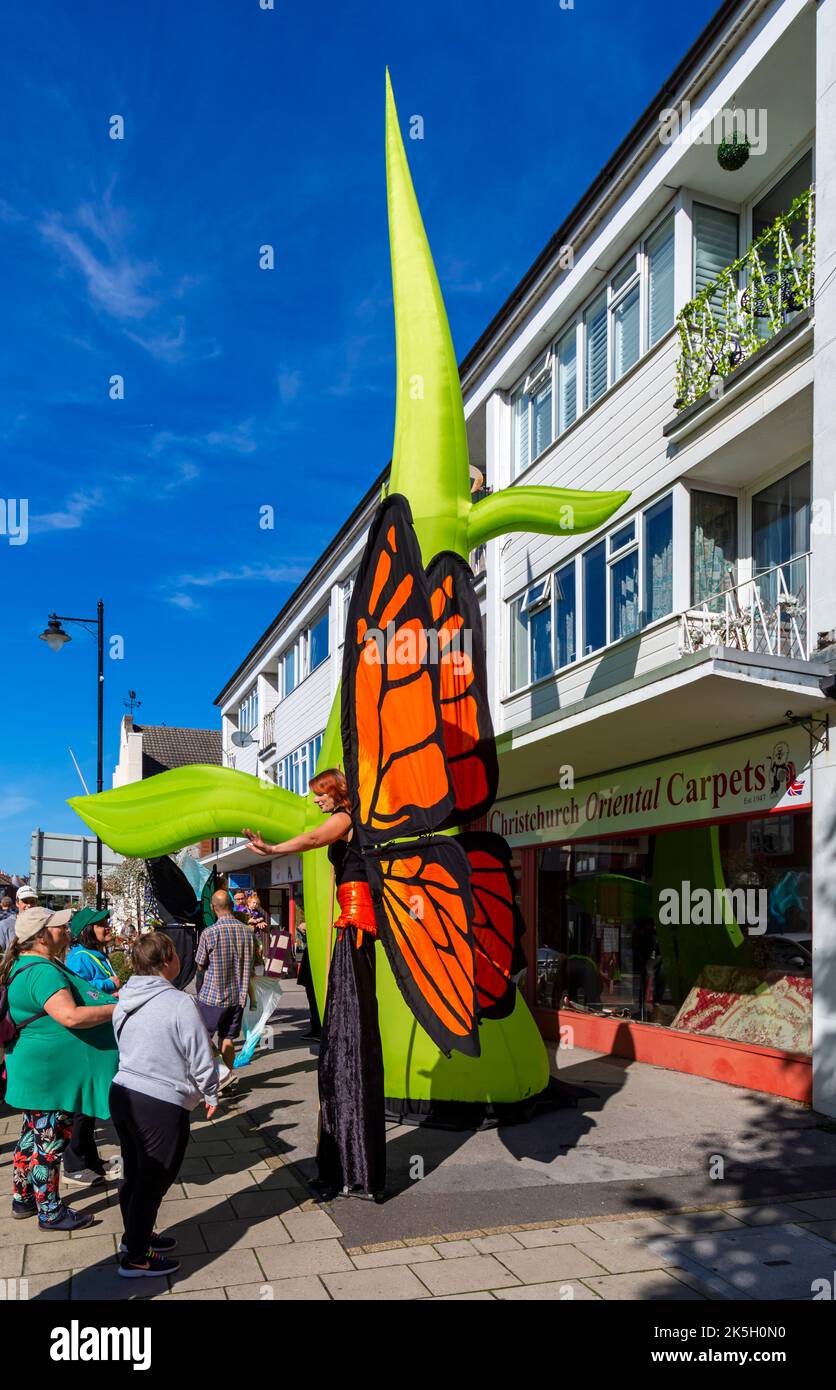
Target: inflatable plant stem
[(430, 468)]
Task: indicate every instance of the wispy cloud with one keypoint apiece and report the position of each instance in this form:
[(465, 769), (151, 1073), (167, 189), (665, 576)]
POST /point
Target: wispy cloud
[(71, 516), (115, 282), (243, 574), (240, 574), (185, 472), (14, 807), (289, 384)]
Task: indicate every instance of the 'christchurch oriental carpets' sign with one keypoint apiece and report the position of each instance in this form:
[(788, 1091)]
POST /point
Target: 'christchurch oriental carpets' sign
[(752, 776)]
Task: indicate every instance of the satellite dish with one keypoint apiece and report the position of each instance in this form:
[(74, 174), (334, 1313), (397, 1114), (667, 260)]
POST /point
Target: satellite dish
[(241, 739)]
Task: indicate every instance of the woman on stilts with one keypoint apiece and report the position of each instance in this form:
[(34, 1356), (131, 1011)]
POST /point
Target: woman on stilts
[(351, 1153)]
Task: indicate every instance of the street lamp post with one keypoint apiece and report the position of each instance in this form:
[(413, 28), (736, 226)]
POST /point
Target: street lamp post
[(56, 638)]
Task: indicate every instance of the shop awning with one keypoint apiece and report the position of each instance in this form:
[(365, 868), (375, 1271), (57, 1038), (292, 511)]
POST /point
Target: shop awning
[(703, 698)]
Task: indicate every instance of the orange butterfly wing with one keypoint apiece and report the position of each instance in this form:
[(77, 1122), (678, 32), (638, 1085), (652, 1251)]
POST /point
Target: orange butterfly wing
[(392, 737), (463, 687), (424, 911), (498, 924)]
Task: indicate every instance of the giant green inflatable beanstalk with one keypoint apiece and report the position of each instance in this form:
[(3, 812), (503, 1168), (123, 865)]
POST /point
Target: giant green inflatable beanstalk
[(430, 468)]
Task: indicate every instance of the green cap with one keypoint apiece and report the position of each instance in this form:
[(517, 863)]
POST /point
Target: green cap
[(86, 917)]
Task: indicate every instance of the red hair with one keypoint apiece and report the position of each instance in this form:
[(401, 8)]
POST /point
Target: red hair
[(331, 782)]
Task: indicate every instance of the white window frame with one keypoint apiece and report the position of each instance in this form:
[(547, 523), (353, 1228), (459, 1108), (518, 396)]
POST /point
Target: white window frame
[(611, 557), (325, 617), (248, 712), (547, 359)]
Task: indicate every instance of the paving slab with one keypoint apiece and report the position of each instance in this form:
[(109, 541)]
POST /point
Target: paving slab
[(69, 1254), (386, 1259), (310, 1257), (305, 1289), (252, 1205), (48, 1288), (466, 1275), (563, 1291), (245, 1234), (310, 1225), (550, 1262), (557, 1235), (656, 1286), (216, 1270), (770, 1262), (773, 1214), (394, 1283)]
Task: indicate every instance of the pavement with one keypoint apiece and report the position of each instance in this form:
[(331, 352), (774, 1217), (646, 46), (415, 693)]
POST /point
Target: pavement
[(657, 1186)]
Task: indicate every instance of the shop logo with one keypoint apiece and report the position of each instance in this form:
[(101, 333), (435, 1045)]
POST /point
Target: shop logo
[(714, 907)]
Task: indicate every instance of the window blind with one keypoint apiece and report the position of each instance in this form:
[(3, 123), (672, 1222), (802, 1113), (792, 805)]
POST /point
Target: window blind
[(567, 381), (715, 247), (596, 349), (660, 259)]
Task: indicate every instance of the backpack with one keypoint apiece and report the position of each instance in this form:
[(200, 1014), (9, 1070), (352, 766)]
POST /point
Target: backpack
[(9, 1030)]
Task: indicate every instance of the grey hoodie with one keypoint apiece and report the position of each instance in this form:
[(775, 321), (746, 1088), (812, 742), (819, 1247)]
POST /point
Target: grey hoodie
[(164, 1048)]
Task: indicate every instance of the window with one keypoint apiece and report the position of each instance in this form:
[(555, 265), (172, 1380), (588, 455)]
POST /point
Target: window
[(248, 712), (567, 380), (289, 670), (625, 309), (531, 635), (538, 606), (781, 521), (660, 281), (295, 771), (519, 644), (624, 582), (564, 626), (318, 640), (595, 324), (713, 544), (715, 248), (346, 590), (629, 315), (594, 599), (533, 413), (658, 559)]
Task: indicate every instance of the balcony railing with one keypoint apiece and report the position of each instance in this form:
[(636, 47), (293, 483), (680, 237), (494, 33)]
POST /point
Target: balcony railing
[(767, 614), (748, 303), (268, 729)]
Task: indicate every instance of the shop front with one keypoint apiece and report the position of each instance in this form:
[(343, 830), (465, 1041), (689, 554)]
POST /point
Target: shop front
[(669, 910)]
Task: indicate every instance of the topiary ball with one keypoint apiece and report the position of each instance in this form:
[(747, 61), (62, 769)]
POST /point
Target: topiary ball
[(733, 154)]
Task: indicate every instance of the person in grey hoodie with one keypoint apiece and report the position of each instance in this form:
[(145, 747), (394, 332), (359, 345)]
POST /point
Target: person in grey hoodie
[(166, 1065)]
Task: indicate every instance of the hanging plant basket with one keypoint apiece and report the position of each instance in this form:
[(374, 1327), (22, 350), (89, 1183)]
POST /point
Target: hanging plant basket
[(733, 154)]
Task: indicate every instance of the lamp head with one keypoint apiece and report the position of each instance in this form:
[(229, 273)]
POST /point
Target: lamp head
[(54, 635)]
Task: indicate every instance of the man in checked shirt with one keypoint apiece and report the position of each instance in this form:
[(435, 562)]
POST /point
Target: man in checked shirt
[(224, 963)]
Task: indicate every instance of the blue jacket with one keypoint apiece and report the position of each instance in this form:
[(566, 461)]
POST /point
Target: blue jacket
[(93, 966), (7, 929)]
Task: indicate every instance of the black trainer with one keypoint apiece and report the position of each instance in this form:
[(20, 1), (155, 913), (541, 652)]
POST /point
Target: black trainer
[(159, 1244), (152, 1267), (23, 1207)]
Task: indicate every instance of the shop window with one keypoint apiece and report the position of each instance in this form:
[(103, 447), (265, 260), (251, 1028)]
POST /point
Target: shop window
[(705, 929)]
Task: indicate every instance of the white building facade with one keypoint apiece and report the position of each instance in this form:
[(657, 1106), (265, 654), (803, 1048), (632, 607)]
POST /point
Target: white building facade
[(660, 688)]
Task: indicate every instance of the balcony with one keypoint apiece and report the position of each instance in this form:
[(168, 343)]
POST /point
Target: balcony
[(268, 732), (767, 615), (748, 304)]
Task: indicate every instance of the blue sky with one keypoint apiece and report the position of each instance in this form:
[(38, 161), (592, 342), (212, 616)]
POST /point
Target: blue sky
[(243, 387)]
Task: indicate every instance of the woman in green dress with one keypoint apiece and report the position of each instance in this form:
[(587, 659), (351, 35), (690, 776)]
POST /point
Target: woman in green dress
[(61, 1064)]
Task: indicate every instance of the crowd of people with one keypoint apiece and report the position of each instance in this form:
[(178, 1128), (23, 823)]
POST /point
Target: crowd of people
[(81, 1047)]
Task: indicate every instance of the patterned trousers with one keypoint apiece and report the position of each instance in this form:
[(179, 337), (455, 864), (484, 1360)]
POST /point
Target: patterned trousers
[(37, 1160)]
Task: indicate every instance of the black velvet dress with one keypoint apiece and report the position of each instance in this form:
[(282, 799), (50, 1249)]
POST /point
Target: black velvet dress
[(352, 1144)]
